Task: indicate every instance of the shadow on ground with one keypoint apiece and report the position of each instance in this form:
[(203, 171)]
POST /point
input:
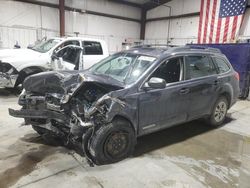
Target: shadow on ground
[(172, 135), (150, 142)]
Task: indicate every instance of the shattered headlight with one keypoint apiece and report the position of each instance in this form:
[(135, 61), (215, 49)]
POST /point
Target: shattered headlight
[(53, 101), (103, 104)]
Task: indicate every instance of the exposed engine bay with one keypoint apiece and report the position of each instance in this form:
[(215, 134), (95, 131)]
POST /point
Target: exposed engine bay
[(70, 115)]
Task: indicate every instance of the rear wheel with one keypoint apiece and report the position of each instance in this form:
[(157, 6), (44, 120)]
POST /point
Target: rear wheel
[(219, 112), (112, 142)]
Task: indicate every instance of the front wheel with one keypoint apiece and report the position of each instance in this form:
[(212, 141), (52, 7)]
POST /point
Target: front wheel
[(112, 143), (39, 130), (219, 112), (22, 76)]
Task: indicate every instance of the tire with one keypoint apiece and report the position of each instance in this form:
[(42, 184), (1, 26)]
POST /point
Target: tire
[(245, 94), (39, 130), (22, 76), (219, 112), (48, 138), (20, 79), (112, 142)]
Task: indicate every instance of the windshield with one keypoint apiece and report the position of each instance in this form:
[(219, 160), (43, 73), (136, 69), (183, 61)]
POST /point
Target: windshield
[(124, 67), (46, 45)]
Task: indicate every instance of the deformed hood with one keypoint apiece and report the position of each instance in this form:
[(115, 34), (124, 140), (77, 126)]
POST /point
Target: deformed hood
[(64, 82)]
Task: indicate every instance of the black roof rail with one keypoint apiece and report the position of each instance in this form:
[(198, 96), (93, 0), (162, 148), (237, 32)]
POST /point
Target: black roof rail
[(199, 47), (154, 46), (195, 48), (174, 48)]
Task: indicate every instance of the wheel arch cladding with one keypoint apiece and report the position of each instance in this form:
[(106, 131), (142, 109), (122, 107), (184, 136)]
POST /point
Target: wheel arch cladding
[(228, 92), (127, 111), (119, 117), (227, 96)]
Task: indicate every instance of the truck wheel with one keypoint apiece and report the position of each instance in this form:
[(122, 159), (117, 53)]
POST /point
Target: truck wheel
[(112, 142), (219, 112), (19, 81), (22, 76), (245, 94)]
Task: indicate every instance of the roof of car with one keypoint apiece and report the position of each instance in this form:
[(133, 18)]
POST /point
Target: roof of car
[(167, 50), (77, 38)]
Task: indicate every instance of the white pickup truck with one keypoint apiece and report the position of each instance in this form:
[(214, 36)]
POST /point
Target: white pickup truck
[(71, 53)]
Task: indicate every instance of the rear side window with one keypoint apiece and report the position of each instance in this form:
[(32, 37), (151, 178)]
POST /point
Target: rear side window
[(92, 48), (72, 42), (221, 64), (198, 66)]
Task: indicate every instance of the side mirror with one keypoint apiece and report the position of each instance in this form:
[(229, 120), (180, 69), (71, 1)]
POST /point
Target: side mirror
[(156, 83)]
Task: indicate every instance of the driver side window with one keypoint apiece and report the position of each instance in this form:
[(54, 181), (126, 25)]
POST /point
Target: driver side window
[(170, 70), (71, 55)]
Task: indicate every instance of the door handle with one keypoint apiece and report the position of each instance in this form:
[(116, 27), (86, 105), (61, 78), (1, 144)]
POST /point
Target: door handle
[(216, 82), (184, 91)]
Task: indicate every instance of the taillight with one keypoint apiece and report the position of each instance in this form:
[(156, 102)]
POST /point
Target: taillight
[(237, 76)]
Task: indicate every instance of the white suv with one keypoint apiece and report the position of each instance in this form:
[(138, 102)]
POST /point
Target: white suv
[(71, 53)]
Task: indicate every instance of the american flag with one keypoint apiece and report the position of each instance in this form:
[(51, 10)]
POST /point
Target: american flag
[(220, 20)]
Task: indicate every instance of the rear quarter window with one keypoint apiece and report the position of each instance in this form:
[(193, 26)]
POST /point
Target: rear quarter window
[(221, 64)]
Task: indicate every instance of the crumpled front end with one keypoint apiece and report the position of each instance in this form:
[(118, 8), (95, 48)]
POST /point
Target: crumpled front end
[(8, 75), (68, 106)]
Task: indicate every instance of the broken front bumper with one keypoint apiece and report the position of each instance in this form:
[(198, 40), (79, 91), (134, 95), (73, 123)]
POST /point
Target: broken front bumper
[(7, 80), (39, 114)]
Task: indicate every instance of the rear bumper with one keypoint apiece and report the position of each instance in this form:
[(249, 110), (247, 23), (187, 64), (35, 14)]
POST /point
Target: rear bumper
[(39, 114), (7, 80)]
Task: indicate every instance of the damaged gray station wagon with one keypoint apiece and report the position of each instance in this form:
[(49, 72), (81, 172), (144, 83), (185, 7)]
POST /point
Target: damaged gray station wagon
[(104, 109)]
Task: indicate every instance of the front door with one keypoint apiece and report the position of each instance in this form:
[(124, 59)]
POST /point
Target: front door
[(67, 58), (161, 108)]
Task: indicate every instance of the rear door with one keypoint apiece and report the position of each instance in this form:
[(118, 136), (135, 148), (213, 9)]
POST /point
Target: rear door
[(93, 53), (202, 83)]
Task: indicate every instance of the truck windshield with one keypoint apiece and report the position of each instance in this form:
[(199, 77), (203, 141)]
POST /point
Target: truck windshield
[(46, 45), (124, 67)]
